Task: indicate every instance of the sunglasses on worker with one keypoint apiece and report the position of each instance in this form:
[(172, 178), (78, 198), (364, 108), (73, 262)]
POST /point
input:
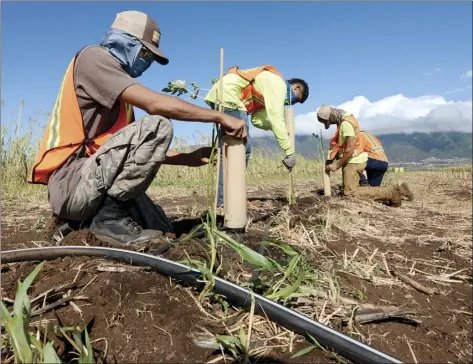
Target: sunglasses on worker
[(147, 54)]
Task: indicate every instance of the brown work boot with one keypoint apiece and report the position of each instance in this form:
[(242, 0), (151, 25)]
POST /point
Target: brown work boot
[(396, 198), (390, 195), (406, 191)]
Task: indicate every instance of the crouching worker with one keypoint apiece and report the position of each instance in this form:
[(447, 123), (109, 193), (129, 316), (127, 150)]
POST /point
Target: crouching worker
[(377, 163), (95, 158), (347, 148), (261, 92)]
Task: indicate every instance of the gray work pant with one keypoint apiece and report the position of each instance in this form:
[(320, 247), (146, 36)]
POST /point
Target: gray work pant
[(123, 168)]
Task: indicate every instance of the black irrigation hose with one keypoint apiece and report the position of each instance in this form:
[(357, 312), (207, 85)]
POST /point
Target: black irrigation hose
[(290, 319)]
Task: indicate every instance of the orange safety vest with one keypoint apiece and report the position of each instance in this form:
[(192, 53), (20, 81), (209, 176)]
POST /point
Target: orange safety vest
[(335, 148), (252, 98), (65, 133), (373, 146)]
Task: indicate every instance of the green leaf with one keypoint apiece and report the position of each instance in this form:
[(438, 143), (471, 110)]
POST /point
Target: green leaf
[(90, 353), (17, 327), (50, 355), (21, 296), (225, 307), (213, 248), (228, 340), (20, 341), (202, 268), (284, 247), (190, 235), (37, 345), (246, 253), (5, 315), (288, 271), (242, 338), (304, 351), (289, 290)]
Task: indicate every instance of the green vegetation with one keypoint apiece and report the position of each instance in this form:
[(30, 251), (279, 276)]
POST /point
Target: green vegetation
[(26, 346), (19, 149)]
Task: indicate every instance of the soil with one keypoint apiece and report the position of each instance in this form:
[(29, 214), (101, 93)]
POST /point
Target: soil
[(141, 316), (131, 316)]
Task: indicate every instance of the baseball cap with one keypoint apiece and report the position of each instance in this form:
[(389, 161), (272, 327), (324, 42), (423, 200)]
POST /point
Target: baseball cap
[(323, 115), (144, 28)]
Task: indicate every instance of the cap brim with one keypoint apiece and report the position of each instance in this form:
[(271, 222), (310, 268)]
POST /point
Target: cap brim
[(160, 57)]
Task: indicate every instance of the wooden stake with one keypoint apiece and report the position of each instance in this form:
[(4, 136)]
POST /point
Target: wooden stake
[(220, 108), (289, 116)]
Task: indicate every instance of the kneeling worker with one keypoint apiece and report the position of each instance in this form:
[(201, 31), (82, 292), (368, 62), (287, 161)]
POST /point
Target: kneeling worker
[(377, 164), (95, 158), (347, 146)]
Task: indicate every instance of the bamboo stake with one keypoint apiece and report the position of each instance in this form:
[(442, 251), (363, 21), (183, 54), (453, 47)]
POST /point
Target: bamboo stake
[(289, 116), (325, 174), (220, 108)]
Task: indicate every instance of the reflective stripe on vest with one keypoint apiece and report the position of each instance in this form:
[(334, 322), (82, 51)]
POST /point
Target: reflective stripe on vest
[(250, 96), (373, 146), (65, 133), (334, 148)]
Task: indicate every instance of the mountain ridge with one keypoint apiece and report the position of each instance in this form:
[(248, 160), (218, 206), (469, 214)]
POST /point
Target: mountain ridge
[(399, 147)]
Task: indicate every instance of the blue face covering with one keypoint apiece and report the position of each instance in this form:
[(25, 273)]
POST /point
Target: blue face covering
[(291, 97), (126, 48)]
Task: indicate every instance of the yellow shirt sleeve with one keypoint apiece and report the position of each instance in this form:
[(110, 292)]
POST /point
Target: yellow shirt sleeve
[(260, 120), (346, 130), (273, 89)]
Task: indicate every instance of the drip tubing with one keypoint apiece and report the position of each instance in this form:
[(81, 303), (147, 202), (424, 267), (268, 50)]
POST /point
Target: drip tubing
[(239, 296)]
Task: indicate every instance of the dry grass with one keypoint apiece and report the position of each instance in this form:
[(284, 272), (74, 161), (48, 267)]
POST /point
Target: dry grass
[(340, 241), (341, 238)]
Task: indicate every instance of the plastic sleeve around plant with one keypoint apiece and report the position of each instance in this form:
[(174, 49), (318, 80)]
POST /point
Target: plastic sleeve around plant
[(290, 319)]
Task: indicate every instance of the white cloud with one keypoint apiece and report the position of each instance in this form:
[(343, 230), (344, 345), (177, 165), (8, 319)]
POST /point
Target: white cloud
[(395, 114), (459, 89), (468, 74), (430, 73)]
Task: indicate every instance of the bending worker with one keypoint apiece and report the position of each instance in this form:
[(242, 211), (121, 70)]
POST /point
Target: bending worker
[(95, 158), (261, 92), (346, 146), (377, 163)]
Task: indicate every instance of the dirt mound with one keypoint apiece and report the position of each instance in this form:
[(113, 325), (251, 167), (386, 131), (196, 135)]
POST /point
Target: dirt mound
[(347, 245), (139, 314)]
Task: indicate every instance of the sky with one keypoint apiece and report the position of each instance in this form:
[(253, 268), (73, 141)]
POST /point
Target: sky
[(397, 66)]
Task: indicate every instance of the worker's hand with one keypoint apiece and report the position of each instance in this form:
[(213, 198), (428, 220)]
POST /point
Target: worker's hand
[(234, 127), (332, 167), (289, 162), (199, 157)]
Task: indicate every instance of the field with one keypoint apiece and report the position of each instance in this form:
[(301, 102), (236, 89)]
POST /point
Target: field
[(344, 263)]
